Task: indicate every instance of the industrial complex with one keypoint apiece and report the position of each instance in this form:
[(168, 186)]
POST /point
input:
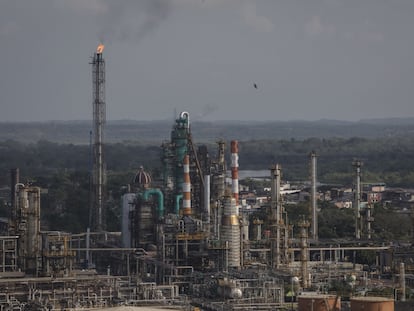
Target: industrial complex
[(190, 241)]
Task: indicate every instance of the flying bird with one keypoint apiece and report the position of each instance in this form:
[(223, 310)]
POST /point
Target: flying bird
[(255, 85)]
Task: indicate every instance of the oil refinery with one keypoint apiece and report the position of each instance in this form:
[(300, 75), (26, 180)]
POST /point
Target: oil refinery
[(189, 241)]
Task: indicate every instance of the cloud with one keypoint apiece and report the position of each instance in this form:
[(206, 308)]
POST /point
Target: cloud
[(315, 27), (258, 22)]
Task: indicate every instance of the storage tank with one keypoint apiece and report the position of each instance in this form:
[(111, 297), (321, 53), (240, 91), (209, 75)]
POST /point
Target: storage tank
[(319, 303), (372, 304)]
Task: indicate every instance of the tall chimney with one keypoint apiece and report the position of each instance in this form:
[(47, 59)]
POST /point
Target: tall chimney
[(314, 210), (276, 215), (186, 186)]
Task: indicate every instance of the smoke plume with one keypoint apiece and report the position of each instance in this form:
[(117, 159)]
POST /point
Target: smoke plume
[(206, 110), (131, 19)]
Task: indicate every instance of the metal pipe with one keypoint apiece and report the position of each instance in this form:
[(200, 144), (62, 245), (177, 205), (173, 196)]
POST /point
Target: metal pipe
[(185, 115), (178, 197), (160, 195)]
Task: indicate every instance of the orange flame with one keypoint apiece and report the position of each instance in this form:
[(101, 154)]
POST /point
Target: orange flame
[(100, 48)]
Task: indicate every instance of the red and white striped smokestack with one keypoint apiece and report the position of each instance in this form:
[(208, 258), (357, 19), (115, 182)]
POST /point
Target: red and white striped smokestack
[(235, 170), (186, 186)]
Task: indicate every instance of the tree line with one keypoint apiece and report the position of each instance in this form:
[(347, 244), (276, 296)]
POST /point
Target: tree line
[(64, 169)]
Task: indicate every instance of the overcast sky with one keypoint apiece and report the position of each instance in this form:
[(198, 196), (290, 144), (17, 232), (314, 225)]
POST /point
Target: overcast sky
[(311, 59)]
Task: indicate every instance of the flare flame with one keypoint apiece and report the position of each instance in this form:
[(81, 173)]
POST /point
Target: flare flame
[(100, 49)]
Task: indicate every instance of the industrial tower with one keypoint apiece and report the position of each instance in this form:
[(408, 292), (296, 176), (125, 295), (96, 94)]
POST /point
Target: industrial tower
[(99, 117), (314, 204), (357, 198)]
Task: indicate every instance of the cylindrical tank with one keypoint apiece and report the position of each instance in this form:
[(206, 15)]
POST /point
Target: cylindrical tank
[(319, 303), (372, 304)]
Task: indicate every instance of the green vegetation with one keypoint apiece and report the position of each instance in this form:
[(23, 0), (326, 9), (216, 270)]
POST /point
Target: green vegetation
[(386, 160), (64, 170), (339, 223)]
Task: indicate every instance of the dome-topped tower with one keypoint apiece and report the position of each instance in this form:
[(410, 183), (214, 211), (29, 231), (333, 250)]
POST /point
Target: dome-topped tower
[(142, 179)]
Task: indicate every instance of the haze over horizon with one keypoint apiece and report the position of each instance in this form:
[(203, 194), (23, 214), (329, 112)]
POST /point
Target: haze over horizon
[(311, 60)]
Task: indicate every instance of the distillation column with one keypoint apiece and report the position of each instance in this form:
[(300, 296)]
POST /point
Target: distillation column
[(357, 199), (235, 170), (304, 225), (230, 233), (220, 172), (27, 227), (276, 216), (314, 207), (99, 117), (218, 188)]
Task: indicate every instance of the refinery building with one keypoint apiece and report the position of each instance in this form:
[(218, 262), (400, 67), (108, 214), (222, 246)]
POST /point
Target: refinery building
[(186, 240)]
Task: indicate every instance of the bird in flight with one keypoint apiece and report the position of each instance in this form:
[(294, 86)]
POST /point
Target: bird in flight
[(255, 85)]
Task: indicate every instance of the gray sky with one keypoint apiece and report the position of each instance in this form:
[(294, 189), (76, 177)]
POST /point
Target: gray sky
[(311, 59)]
